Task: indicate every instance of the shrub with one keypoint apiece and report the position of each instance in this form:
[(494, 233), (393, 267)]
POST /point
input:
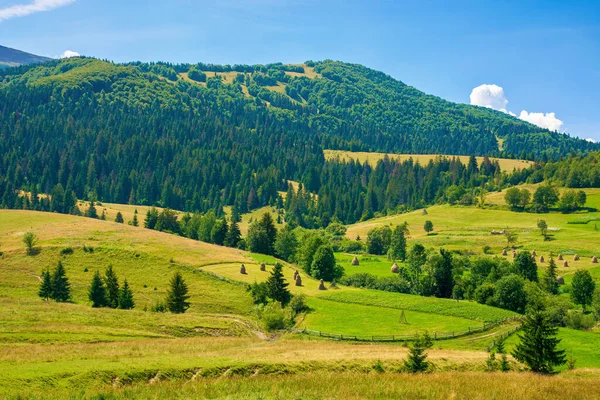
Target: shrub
[(159, 306), (579, 320), (298, 304), (272, 316), (66, 251), (259, 292)]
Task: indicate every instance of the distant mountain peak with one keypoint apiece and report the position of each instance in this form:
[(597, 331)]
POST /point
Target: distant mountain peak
[(12, 57)]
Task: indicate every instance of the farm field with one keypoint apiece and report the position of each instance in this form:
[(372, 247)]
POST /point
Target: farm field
[(372, 158)]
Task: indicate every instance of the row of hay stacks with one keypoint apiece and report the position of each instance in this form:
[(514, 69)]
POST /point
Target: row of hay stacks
[(543, 260)]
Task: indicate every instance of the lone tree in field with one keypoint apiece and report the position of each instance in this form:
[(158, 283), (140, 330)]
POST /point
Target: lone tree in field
[(30, 240), (544, 197), (126, 297), (550, 282), (538, 346), (543, 227), (176, 300), (277, 286), (61, 288), (324, 265), (91, 212), (97, 292), (417, 356), (428, 227), (45, 291), (398, 242), (119, 218), (582, 288), (511, 238), (112, 287), (135, 221)]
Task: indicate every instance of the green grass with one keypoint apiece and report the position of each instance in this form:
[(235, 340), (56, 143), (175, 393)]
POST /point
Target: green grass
[(364, 320), (376, 265), (431, 305)]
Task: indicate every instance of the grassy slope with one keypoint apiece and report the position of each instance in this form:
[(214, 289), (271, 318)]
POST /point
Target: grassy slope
[(371, 157)]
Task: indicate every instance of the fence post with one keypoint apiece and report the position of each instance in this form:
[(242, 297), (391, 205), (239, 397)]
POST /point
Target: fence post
[(435, 335), (452, 333)]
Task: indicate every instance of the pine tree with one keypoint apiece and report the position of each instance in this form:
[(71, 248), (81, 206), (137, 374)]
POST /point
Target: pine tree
[(550, 283), (504, 365), (538, 344), (267, 223), (119, 218), (103, 216), (112, 287), (234, 235), (126, 297), (97, 291), (177, 295), (277, 286), (417, 356), (91, 211), (61, 288), (45, 291), (135, 221)]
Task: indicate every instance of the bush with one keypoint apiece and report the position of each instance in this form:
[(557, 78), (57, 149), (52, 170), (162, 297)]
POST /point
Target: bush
[(395, 284), (272, 316), (580, 321), (159, 307), (485, 293), (66, 251), (298, 304), (259, 292), (88, 249)]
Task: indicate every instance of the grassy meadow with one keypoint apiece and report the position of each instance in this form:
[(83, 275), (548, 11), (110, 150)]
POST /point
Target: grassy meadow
[(372, 158)]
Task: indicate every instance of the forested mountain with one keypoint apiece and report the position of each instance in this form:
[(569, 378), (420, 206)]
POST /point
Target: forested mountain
[(197, 137), (11, 57)]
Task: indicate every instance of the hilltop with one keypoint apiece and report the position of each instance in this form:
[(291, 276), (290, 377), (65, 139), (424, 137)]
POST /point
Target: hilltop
[(11, 57)]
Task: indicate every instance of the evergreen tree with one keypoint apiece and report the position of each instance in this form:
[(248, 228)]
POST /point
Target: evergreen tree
[(112, 287), (398, 243), (582, 288), (234, 235), (417, 356), (151, 218), (119, 218), (91, 212), (30, 239), (504, 365), (257, 239), (550, 283), (97, 291), (177, 297), (538, 345), (266, 223), (219, 232), (45, 291), (277, 286), (103, 215), (126, 297), (135, 221), (61, 288)]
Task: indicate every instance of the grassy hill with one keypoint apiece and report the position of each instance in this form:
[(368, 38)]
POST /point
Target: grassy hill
[(52, 350)]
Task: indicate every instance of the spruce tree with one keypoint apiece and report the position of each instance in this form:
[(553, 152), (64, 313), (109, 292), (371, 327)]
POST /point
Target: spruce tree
[(277, 286), (91, 212), (61, 288), (45, 291), (504, 365), (417, 356), (119, 218), (112, 287), (97, 291), (538, 346), (550, 283), (126, 297), (234, 235), (267, 223), (176, 300), (135, 221)]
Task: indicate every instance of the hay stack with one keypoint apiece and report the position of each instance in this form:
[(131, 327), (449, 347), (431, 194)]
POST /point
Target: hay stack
[(560, 280), (504, 252), (542, 259), (594, 260), (333, 285), (395, 268), (576, 257), (425, 211), (533, 254), (355, 261), (298, 280), (243, 270), (296, 275), (322, 285), (514, 254), (566, 264), (560, 257), (263, 267)]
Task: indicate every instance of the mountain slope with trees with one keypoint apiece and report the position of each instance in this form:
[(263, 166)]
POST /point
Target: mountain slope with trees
[(11, 57)]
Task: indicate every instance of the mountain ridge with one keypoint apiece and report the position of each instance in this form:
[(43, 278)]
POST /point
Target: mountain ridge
[(12, 57)]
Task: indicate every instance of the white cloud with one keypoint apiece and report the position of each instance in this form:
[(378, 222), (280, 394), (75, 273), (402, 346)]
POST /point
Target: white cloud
[(548, 120), (492, 96), (69, 54), (22, 10), (590, 140)]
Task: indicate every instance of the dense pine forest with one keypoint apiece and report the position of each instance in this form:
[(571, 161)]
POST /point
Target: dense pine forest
[(198, 137)]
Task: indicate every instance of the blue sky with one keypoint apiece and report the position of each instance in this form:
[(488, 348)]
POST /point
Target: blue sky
[(545, 55)]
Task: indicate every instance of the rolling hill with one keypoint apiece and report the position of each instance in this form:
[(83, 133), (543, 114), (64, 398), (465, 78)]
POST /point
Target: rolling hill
[(11, 57)]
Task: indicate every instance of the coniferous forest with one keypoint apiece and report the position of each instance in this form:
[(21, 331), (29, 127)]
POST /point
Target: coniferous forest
[(187, 138)]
